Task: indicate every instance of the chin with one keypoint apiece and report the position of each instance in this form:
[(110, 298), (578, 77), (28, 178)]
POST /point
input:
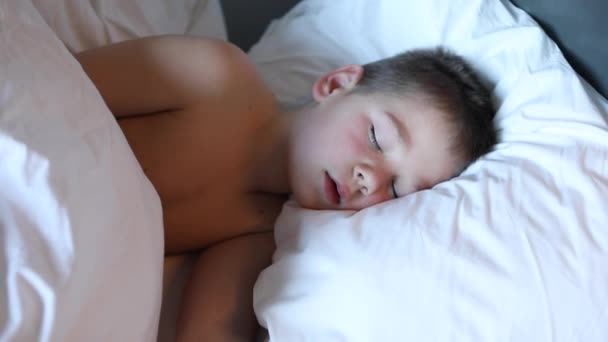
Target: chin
[(305, 194), (306, 200)]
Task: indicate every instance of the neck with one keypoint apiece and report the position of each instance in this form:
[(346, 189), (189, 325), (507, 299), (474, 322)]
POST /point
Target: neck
[(271, 162)]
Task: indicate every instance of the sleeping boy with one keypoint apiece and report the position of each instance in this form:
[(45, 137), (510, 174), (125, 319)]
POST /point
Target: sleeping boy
[(223, 156)]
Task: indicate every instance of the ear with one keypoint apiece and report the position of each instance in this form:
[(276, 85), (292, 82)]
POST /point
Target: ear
[(341, 79)]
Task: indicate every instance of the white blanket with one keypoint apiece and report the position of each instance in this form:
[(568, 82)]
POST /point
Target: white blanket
[(85, 24), (81, 242)]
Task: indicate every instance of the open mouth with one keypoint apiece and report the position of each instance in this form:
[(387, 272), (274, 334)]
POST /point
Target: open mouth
[(331, 190)]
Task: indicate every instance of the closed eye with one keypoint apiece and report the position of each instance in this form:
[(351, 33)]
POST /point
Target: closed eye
[(372, 138), (394, 189), (374, 143)]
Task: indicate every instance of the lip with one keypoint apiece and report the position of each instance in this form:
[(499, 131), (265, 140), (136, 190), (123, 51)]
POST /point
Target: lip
[(331, 190), (341, 191)]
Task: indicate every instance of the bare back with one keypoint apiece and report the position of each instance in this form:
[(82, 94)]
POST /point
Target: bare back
[(198, 151)]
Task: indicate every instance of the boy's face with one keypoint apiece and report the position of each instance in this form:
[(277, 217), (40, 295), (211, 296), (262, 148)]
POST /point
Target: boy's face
[(353, 151)]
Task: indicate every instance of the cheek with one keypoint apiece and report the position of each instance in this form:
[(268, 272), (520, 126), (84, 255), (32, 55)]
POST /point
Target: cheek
[(333, 144), (354, 140)]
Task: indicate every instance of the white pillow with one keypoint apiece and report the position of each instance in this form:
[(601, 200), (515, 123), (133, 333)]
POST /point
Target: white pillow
[(85, 24), (81, 240), (514, 249)]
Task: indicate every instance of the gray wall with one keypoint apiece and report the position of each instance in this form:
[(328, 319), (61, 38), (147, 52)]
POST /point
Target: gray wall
[(580, 27), (247, 19)]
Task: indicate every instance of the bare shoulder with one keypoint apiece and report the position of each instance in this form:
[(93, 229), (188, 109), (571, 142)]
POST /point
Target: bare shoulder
[(193, 53), (207, 110), (215, 63), (223, 80), (168, 73)]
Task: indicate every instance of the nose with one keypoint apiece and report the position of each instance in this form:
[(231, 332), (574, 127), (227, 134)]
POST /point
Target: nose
[(370, 179)]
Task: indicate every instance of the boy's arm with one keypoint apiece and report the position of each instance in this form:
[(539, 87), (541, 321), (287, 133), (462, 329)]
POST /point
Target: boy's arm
[(161, 74), (218, 300)]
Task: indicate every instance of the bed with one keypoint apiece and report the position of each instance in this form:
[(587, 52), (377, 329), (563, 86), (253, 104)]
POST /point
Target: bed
[(514, 249)]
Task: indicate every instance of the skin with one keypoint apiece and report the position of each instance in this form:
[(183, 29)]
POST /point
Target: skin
[(373, 147), (209, 135)]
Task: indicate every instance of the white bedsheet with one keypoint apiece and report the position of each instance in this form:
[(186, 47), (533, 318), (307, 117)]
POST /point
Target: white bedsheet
[(81, 242), (514, 249), (85, 24)]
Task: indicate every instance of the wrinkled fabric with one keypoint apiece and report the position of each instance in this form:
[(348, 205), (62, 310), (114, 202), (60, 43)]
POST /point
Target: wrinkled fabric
[(514, 249), (81, 240), (86, 24)]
